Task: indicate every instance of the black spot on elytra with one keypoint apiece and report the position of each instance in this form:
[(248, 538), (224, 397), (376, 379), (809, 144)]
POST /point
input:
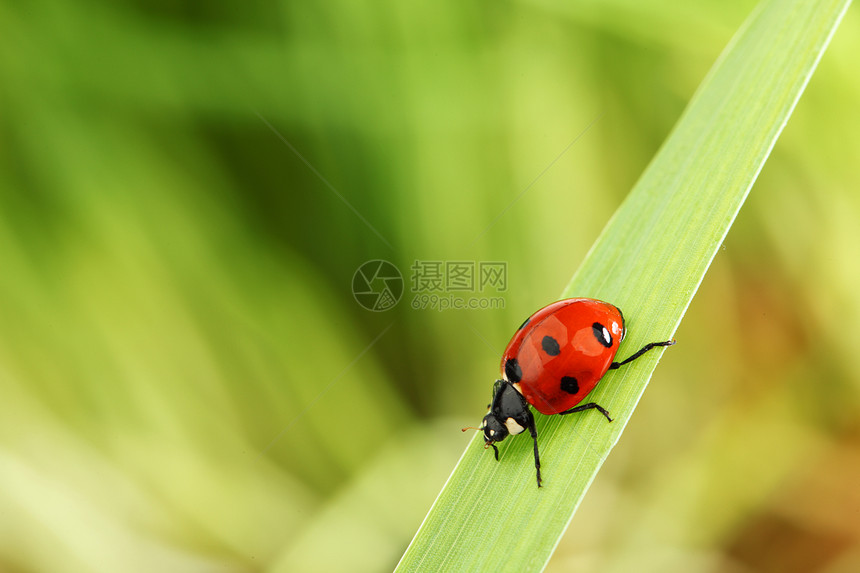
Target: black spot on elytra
[(601, 333), (512, 370), (569, 385), (550, 346)]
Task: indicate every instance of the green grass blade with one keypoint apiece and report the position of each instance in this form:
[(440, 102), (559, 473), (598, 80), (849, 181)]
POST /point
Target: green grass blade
[(649, 260)]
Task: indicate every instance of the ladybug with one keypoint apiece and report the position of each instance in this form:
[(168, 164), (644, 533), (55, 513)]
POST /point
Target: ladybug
[(553, 361)]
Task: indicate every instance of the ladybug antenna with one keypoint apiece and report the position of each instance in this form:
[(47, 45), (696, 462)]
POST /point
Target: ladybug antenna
[(470, 428)]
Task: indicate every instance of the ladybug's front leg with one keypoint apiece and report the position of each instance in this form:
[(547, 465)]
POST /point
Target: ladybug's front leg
[(533, 432)]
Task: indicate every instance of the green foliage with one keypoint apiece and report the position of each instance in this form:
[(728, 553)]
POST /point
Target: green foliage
[(650, 259), (186, 382)]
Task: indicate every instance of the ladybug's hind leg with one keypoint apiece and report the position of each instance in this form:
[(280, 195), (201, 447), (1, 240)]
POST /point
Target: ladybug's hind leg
[(644, 349)]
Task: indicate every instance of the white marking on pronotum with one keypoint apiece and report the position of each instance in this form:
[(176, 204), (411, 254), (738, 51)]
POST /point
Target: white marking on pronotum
[(513, 427)]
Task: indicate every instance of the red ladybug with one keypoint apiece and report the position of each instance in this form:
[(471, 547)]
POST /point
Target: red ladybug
[(554, 360)]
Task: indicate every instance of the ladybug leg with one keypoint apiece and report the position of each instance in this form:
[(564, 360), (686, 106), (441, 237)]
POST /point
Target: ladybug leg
[(496, 451), (589, 406), (644, 349), (533, 432)]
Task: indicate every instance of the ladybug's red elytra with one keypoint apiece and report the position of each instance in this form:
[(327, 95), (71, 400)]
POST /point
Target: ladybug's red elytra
[(553, 361)]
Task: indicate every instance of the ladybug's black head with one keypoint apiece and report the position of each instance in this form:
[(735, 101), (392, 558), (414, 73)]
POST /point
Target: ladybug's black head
[(509, 415), (494, 431)]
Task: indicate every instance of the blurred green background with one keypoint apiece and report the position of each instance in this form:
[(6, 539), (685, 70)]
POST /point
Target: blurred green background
[(188, 384)]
